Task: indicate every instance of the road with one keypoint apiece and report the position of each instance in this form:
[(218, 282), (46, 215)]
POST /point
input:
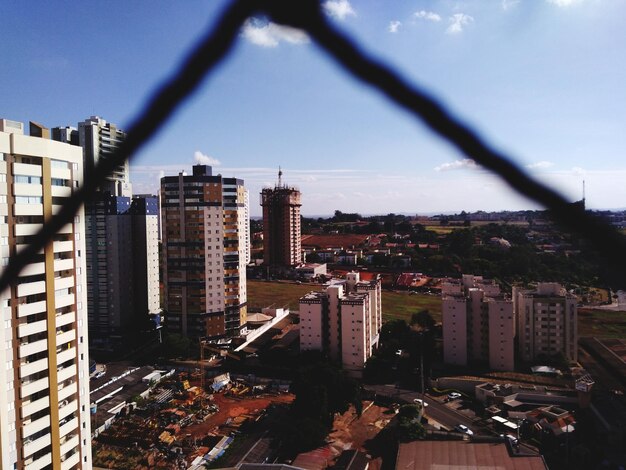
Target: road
[(435, 410), (443, 414)]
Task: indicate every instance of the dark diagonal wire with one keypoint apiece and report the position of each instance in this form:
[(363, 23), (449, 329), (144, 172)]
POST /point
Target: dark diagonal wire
[(307, 15), (605, 239), (214, 47)]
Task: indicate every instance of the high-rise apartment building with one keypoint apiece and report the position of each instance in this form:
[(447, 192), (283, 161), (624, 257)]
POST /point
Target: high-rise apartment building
[(144, 214), (344, 321), (44, 393), (99, 138), (478, 323), (122, 268), (205, 230), (546, 322), (282, 246), (122, 243)]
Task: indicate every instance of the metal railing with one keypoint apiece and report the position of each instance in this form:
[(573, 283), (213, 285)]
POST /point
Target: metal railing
[(308, 16)]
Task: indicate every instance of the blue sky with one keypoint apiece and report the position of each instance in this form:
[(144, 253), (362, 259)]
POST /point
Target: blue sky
[(543, 80)]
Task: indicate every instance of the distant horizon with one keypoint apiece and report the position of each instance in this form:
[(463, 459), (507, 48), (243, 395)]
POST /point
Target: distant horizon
[(431, 214)]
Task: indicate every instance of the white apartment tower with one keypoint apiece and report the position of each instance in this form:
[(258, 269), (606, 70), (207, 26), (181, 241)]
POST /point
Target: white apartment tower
[(206, 235), (44, 394), (478, 323), (344, 320), (547, 322), (99, 138)]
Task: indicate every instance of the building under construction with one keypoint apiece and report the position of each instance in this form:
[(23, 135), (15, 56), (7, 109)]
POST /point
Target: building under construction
[(281, 225)]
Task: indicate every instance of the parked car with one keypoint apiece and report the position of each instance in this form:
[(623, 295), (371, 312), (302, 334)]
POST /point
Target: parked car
[(464, 429), (454, 395), (420, 402)]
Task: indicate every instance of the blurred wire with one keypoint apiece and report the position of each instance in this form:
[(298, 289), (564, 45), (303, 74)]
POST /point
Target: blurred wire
[(308, 15)]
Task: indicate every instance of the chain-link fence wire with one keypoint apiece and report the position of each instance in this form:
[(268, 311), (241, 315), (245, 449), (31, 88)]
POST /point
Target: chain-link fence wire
[(308, 16)]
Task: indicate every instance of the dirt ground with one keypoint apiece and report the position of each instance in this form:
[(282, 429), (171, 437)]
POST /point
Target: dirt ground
[(231, 408), (351, 432)]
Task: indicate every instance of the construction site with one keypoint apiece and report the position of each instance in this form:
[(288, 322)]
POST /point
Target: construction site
[(178, 424)]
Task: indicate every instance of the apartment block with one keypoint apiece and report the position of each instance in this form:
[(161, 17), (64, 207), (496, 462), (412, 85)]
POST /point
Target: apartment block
[(547, 322), (478, 323), (44, 394), (99, 138), (344, 321), (206, 234), (122, 268), (122, 243), (282, 245)]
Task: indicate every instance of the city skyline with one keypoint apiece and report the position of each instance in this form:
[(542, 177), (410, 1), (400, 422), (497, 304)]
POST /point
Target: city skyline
[(539, 80)]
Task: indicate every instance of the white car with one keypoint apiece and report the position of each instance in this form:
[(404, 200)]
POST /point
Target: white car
[(464, 429), (420, 402), (454, 395)]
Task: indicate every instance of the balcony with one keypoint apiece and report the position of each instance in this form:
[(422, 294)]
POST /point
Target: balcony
[(64, 300), (33, 269), (63, 264), (70, 461), (68, 427), (35, 426), (27, 349), (28, 209), (67, 391), (65, 373), (29, 408), (27, 329), (31, 368), (23, 230), (68, 409), (28, 388), (34, 446), (30, 309), (66, 337), (42, 462)]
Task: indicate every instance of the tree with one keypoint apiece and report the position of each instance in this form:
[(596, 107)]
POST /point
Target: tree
[(409, 427), (423, 319)]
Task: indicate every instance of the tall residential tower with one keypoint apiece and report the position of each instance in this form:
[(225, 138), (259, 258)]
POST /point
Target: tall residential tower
[(205, 251), (344, 321), (281, 225), (44, 393)]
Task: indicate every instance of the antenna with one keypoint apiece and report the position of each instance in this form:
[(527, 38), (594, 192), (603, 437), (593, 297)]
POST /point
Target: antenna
[(583, 190), (280, 176)]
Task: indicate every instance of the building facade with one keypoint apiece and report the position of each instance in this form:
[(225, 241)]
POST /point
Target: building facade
[(344, 321), (44, 394), (122, 243), (547, 322), (99, 138), (282, 245), (206, 235), (478, 323)]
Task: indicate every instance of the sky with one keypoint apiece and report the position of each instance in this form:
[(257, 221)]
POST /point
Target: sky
[(542, 80)]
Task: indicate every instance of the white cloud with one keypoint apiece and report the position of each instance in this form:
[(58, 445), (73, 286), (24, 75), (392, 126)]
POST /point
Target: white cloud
[(201, 159), (268, 34), (564, 3), (457, 22), (578, 171), (457, 165), (506, 4), (394, 26), (540, 165), (427, 15), (339, 9)]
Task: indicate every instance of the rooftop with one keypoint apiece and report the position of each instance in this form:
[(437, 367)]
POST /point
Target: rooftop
[(453, 455)]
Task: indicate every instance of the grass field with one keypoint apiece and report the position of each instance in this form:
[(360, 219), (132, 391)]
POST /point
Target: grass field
[(601, 323), (395, 304)]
